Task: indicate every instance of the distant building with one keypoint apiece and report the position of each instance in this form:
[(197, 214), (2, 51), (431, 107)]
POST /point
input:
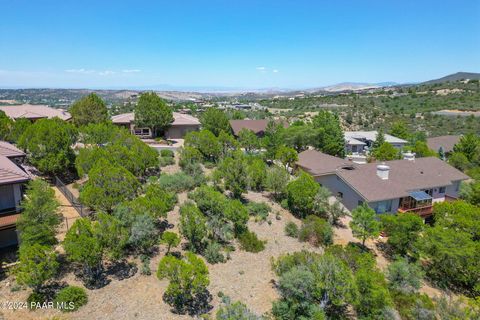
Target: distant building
[(12, 180), (444, 142), (360, 141), (257, 126), (181, 125), (391, 186), (34, 112)]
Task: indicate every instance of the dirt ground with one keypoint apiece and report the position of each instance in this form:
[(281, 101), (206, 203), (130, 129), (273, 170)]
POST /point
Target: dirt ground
[(246, 277)]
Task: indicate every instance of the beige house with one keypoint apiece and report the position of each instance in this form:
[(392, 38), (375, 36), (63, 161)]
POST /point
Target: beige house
[(181, 125), (34, 112), (391, 186), (12, 180)]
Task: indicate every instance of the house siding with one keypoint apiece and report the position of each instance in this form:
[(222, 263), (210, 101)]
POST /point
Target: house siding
[(350, 198), (179, 131)]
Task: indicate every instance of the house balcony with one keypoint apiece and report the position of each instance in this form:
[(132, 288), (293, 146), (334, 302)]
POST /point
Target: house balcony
[(423, 211)]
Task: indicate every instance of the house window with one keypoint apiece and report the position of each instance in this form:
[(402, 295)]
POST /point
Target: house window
[(441, 190), (340, 195), (360, 202)]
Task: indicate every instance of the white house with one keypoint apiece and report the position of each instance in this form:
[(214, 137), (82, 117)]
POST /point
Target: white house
[(358, 142)]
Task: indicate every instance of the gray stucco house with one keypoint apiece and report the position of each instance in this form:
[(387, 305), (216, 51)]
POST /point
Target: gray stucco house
[(391, 186)]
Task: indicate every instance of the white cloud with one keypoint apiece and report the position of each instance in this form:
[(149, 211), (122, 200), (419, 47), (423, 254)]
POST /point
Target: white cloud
[(131, 70), (261, 68), (106, 73), (275, 70), (84, 71)]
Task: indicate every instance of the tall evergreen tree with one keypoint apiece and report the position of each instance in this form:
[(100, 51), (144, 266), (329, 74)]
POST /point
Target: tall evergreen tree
[(153, 112)]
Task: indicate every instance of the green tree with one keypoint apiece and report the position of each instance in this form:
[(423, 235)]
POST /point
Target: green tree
[(364, 223), (153, 112), (206, 143), (316, 231), (248, 140), (89, 109), (188, 283), (299, 137), (470, 191), (301, 194), (39, 219), (321, 203), (193, 226), (421, 149), (6, 125), (468, 145), (403, 231), (459, 161), (276, 180), (37, 264), (400, 130), (379, 140), (234, 173), (170, 239), (228, 143), (19, 126), (329, 136), (287, 156), (111, 235), (237, 213), (256, 174), (273, 138), (385, 152), (108, 185), (82, 246), (156, 202), (215, 120), (48, 145), (98, 133)]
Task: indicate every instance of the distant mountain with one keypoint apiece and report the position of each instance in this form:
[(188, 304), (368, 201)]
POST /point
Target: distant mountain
[(353, 86), (455, 77)]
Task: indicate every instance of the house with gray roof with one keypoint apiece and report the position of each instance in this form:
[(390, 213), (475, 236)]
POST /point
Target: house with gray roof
[(257, 126), (444, 142), (358, 142), (181, 125), (12, 181), (391, 186)]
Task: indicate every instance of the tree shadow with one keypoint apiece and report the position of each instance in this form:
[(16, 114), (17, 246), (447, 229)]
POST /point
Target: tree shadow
[(195, 306), (121, 270), (50, 290)]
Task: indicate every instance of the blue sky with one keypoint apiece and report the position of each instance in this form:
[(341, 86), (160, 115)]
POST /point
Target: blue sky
[(241, 44)]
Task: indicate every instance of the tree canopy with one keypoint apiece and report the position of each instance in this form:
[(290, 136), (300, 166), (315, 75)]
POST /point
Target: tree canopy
[(215, 120), (153, 112), (89, 109)]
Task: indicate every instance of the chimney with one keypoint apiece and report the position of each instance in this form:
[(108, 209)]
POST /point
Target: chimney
[(382, 171), (409, 156)]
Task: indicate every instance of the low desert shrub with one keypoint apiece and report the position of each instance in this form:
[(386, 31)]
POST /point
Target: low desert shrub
[(71, 298), (166, 161), (250, 242), (176, 182), (34, 299), (166, 153), (291, 229), (259, 210), (317, 231), (213, 253)]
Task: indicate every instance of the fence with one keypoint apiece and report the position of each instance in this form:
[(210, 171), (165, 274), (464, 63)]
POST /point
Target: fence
[(81, 209)]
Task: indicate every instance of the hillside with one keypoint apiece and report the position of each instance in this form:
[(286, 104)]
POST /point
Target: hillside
[(455, 77)]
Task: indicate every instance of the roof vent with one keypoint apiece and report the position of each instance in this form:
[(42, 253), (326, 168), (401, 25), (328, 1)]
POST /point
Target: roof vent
[(382, 171), (410, 156)]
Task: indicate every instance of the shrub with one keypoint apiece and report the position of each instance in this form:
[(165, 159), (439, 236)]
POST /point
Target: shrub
[(34, 299), (166, 161), (166, 153), (291, 229), (176, 182), (317, 231), (259, 209), (213, 253), (145, 265), (71, 298), (301, 194), (250, 242)]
